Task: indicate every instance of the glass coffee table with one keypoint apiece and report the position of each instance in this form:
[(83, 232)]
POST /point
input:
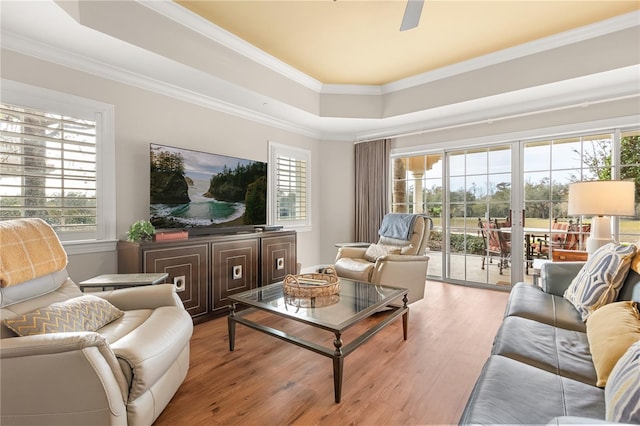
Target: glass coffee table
[(355, 302)]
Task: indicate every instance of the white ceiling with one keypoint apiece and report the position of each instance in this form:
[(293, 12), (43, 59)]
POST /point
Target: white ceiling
[(43, 29)]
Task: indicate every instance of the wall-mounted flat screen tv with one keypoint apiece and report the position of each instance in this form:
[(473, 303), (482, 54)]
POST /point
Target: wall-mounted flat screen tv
[(204, 191)]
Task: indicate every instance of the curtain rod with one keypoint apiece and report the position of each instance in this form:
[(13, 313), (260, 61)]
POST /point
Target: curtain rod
[(506, 117)]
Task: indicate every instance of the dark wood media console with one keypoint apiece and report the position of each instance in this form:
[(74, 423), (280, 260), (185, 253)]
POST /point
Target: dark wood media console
[(207, 269)]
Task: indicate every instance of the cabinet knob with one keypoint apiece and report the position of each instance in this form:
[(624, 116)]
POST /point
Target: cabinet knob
[(280, 263), (236, 272)]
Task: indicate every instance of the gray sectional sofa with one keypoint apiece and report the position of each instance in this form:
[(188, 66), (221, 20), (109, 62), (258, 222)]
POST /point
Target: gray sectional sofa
[(540, 370)]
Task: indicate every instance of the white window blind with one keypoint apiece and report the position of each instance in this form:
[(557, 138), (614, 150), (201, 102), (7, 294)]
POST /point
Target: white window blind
[(48, 169), (290, 187)]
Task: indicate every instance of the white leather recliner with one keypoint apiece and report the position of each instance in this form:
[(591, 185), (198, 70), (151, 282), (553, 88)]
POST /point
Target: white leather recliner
[(125, 372), (393, 262)]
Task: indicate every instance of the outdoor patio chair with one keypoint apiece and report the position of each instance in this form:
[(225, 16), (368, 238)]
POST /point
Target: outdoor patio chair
[(495, 244), (555, 240)]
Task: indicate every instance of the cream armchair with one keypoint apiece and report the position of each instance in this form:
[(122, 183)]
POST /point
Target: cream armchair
[(392, 261), (124, 372)]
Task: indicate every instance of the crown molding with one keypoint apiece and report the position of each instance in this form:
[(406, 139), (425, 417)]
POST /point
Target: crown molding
[(183, 16), (580, 92), (40, 50), (158, 74), (351, 89), (566, 130), (608, 26), (205, 90)]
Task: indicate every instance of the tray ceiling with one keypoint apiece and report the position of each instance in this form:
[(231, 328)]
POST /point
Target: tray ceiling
[(359, 42)]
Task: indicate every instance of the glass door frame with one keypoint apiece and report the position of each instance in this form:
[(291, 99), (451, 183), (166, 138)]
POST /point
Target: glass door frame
[(518, 146), (516, 268)]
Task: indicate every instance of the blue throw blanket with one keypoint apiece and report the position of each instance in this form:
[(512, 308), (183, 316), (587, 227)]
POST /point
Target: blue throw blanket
[(397, 225)]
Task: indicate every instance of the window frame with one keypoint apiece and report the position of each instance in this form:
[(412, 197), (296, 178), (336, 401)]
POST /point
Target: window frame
[(277, 150), (29, 96)]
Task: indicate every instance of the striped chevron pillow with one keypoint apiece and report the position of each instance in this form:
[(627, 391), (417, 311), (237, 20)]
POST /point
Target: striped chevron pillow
[(84, 313), (600, 279), (622, 392)]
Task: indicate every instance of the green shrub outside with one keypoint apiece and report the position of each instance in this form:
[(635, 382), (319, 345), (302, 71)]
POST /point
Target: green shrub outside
[(460, 243)]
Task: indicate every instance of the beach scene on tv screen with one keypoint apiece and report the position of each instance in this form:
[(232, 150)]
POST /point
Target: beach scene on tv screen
[(197, 189)]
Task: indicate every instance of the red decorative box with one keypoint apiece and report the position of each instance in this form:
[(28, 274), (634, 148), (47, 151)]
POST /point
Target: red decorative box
[(171, 235)]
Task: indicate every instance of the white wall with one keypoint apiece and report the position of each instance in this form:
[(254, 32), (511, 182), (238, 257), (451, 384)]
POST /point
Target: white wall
[(142, 117), (337, 195)]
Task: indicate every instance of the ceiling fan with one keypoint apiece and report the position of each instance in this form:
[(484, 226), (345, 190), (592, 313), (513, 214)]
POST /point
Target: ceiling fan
[(411, 14)]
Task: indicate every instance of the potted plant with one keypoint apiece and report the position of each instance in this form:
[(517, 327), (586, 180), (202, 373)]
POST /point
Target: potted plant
[(141, 230)]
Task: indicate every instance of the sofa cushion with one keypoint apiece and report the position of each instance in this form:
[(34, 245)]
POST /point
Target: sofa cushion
[(374, 251), (622, 393), (84, 313), (511, 392), (531, 302), (575, 420), (611, 330), (631, 287), (600, 279), (556, 350)]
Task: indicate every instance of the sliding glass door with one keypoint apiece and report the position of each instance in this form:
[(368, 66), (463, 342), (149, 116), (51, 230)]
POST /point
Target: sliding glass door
[(479, 204), (460, 190), (496, 209)]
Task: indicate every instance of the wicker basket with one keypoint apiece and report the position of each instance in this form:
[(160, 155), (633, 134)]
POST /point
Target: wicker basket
[(312, 285), (310, 302)]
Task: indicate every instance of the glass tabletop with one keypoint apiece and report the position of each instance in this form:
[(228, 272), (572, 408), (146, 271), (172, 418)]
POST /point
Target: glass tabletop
[(356, 300)]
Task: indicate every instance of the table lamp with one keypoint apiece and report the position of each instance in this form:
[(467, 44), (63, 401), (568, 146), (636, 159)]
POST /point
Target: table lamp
[(602, 199)]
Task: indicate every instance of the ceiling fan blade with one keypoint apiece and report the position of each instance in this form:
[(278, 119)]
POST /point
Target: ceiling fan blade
[(411, 14)]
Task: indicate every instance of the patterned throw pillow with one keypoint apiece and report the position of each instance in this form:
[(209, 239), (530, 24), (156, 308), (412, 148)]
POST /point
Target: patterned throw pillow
[(600, 279), (84, 313), (622, 393), (377, 250)]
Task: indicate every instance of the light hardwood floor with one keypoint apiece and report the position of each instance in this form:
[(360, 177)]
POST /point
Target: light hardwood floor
[(387, 381)]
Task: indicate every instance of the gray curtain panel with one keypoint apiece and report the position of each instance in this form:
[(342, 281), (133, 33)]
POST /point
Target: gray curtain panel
[(372, 187)]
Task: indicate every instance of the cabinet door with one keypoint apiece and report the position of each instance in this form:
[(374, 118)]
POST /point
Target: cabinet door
[(235, 269), (187, 267), (278, 258)]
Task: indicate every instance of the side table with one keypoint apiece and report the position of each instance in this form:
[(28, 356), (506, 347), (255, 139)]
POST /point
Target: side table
[(537, 265), (122, 280), (560, 255)]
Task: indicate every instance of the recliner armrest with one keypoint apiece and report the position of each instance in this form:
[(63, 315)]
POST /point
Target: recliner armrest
[(75, 375), (143, 297), (555, 277), (351, 252), (402, 258)]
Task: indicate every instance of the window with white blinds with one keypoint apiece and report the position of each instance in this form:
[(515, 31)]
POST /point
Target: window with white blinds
[(289, 186), (48, 168)]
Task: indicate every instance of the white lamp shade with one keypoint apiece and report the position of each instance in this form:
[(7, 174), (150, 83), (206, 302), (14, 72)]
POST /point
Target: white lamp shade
[(602, 198)]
